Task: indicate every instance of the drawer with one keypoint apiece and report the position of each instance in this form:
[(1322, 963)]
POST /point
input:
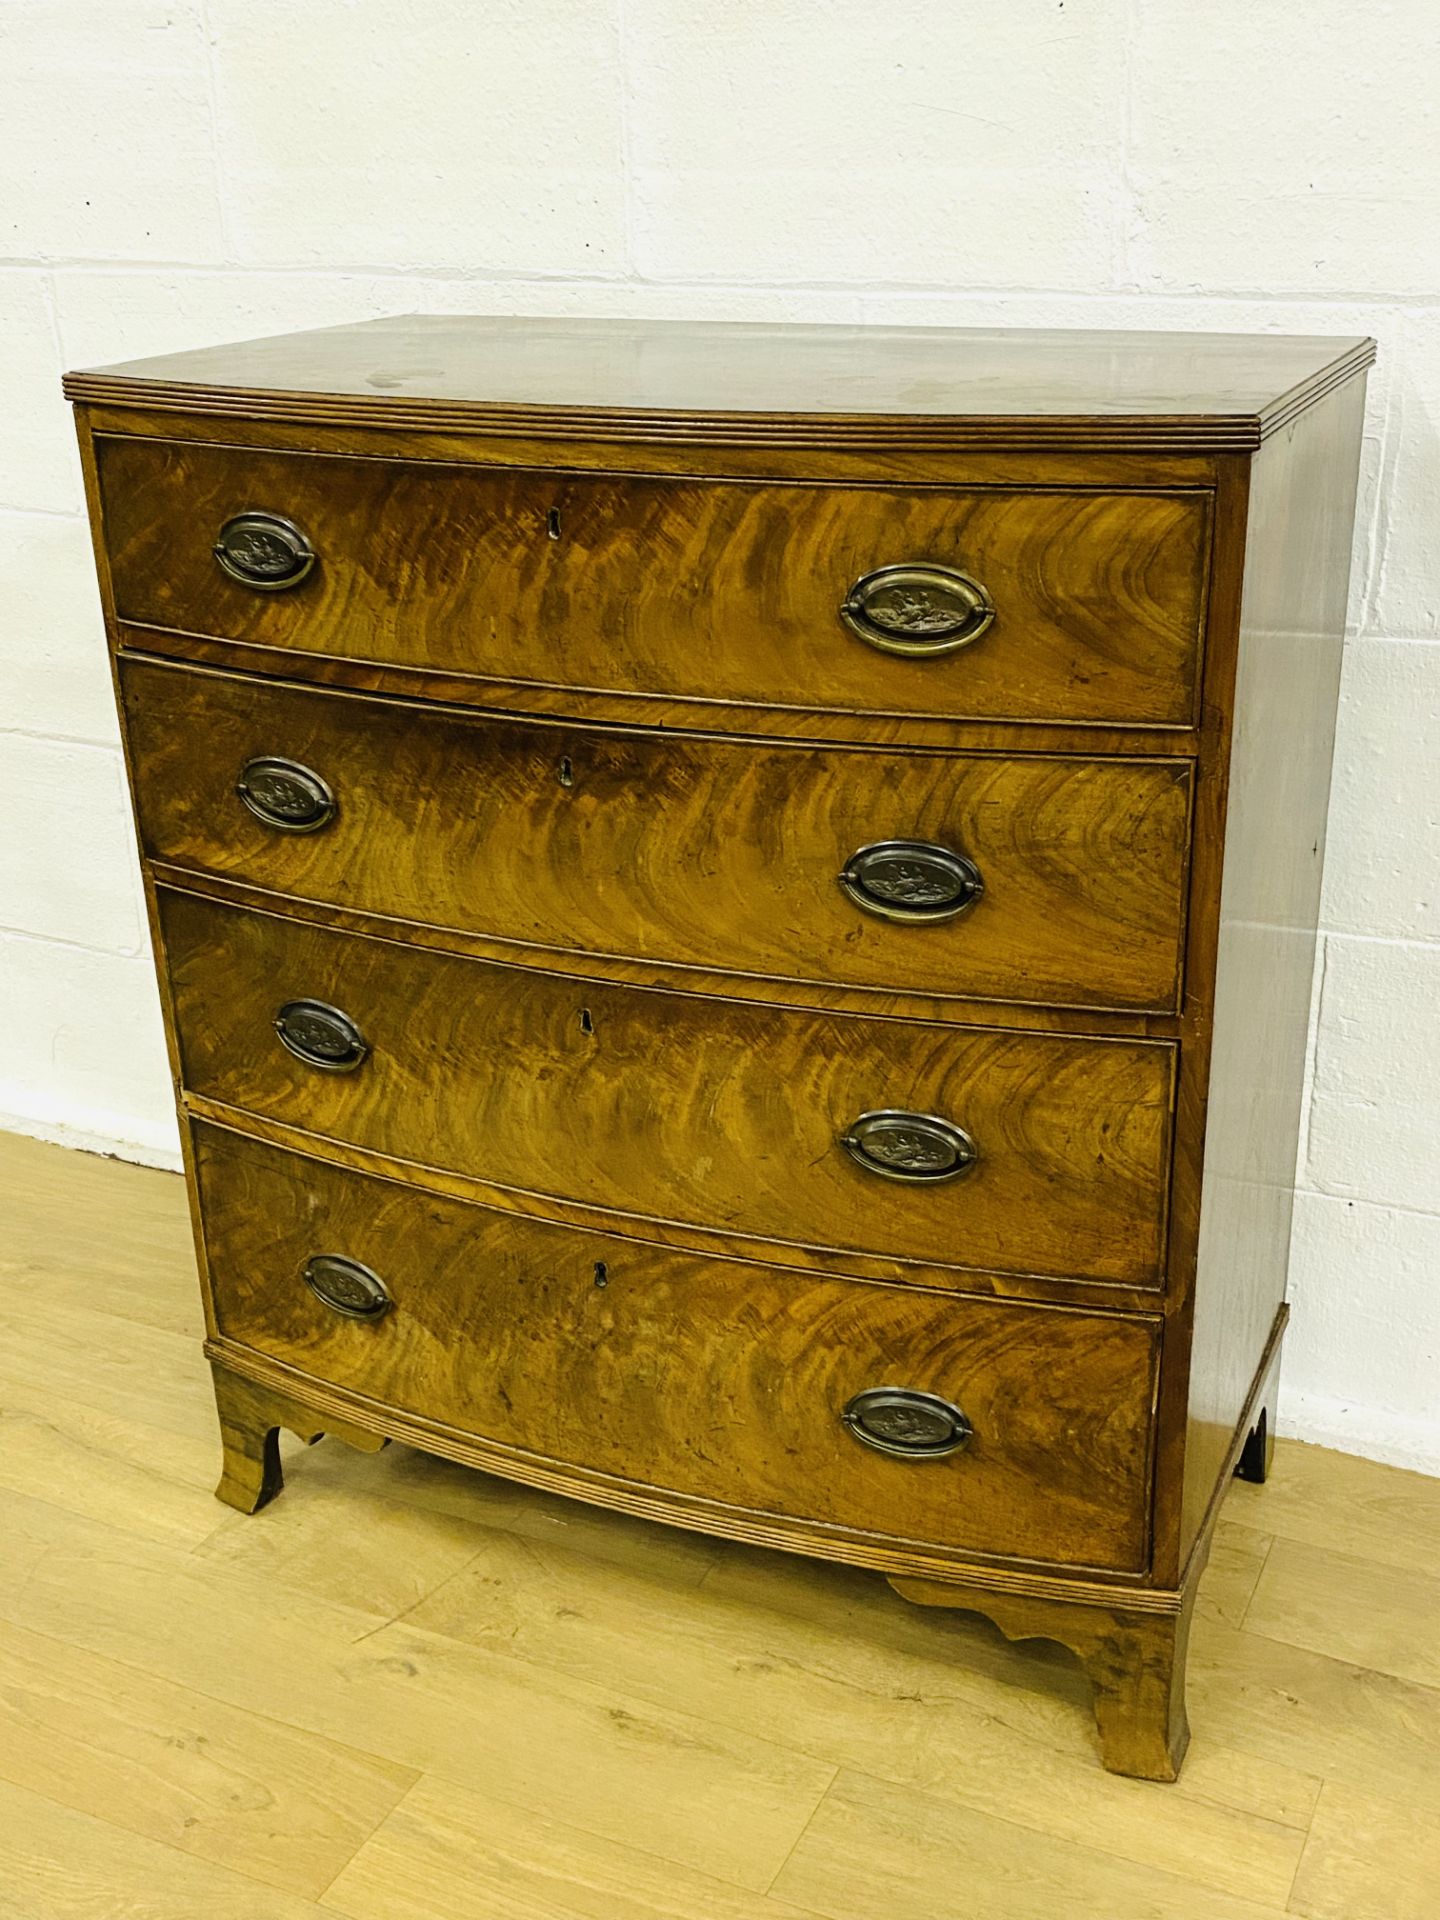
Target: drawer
[(721, 591), (702, 853), (723, 1115), (706, 1378)]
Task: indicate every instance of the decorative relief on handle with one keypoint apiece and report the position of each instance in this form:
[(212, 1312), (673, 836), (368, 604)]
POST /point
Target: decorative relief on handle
[(286, 795), (918, 609), (906, 1423), (347, 1287), (321, 1036), (911, 880), (918, 1147), (264, 550)]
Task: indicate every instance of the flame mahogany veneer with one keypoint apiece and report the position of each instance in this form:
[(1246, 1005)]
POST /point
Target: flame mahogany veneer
[(735, 908)]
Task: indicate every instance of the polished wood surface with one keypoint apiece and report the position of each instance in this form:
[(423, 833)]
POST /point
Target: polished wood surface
[(1297, 570), (520, 1333), (719, 592), (883, 386), (720, 855), (720, 1114), (675, 565), (1135, 1662), (441, 1696)]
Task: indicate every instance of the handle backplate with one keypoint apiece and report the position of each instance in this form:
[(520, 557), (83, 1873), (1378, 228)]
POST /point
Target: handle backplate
[(321, 1035), (907, 1424), (919, 609), (919, 1148), (911, 881), (264, 551), (347, 1287), (286, 795)]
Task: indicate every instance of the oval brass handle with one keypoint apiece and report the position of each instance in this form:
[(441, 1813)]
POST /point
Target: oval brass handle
[(918, 609), (347, 1287), (911, 880), (264, 550), (321, 1036), (907, 1423), (918, 1147), (285, 795)]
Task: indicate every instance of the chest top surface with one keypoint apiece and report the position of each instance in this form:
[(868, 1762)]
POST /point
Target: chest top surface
[(1206, 390)]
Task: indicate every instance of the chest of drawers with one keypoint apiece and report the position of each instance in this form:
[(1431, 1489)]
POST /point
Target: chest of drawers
[(735, 909)]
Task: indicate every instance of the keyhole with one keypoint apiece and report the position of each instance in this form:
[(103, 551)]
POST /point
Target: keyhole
[(552, 523), (602, 1274), (565, 772), (587, 1025)]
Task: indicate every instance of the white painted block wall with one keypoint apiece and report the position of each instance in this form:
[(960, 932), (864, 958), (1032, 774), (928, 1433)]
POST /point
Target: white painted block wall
[(178, 172)]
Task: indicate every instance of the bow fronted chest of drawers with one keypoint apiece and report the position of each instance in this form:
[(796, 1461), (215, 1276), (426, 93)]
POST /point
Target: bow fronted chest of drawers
[(736, 907)]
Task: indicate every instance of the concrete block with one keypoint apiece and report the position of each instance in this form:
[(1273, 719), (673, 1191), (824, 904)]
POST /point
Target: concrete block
[(1375, 1105), (82, 1049), (54, 674), (1406, 600), (1382, 856), (1362, 1356), (842, 143), (439, 135), (38, 463), (67, 854), (1273, 151), (107, 109)]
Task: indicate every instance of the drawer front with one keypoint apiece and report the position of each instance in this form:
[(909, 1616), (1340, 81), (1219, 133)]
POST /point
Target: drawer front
[(723, 591), (701, 853), (712, 1379), (723, 1115)]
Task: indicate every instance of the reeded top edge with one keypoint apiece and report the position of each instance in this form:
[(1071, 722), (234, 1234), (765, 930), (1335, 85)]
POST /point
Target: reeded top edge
[(744, 384)]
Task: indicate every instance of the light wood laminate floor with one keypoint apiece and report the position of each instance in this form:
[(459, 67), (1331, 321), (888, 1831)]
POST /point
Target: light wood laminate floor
[(410, 1692)]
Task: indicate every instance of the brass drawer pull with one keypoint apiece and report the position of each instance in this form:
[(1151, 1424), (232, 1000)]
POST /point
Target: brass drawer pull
[(265, 551), (912, 881), (321, 1036), (906, 1423), (917, 609), (347, 1287), (286, 795), (918, 1147)]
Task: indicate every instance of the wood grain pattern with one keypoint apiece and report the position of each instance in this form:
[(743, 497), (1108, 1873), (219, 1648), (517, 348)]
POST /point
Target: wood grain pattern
[(583, 1715), (933, 1702), (828, 385), (876, 1849), (1135, 1661), (723, 1115), (705, 590), (712, 854), (250, 1423), (210, 1780), (333, 1673), (973, 464), (563, 1344), (1297, 570), (586, 542)]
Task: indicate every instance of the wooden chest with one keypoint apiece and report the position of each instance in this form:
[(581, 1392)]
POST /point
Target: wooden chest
[(736, 907)]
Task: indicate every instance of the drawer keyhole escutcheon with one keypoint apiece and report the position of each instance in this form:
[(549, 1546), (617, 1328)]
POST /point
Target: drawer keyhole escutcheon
[(347, 1287), (919, 1148), (286, 795), (321, 1036), (911, 881), (907, 1424), (264, 551), (920, 609)]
